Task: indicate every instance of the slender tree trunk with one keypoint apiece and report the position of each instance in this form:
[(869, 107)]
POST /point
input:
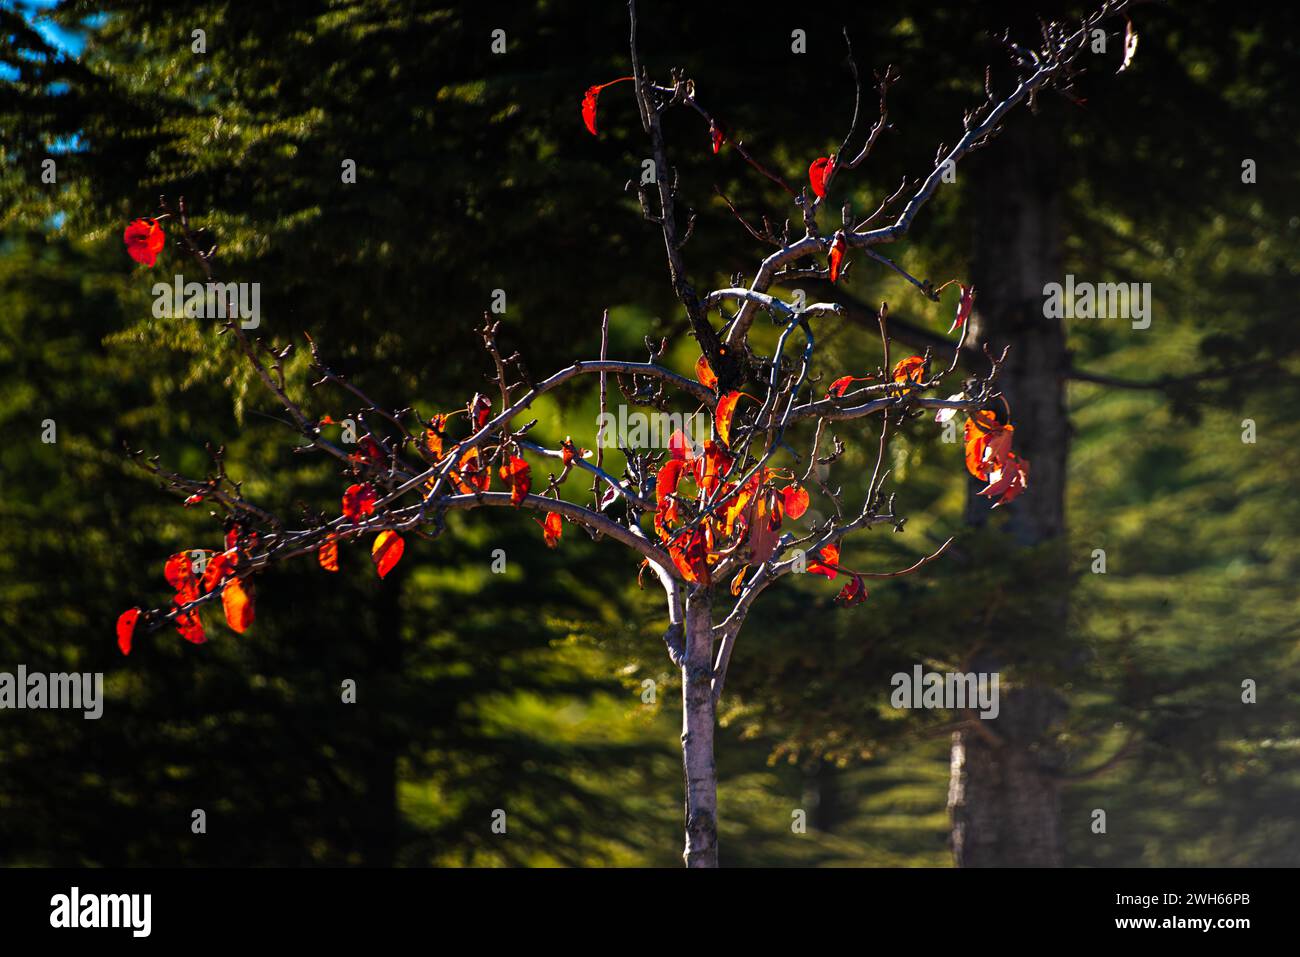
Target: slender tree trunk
[(1003, 794), (697, 735)]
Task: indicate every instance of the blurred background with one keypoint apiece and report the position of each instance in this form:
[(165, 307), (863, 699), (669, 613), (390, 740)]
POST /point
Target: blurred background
[(524, 690)]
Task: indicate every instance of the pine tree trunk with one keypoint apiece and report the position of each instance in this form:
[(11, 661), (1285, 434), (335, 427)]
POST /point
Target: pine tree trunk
[(1003, 794), (697, 735)]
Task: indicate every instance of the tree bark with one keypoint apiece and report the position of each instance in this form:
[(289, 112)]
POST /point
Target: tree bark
[(1003, 794), (697, 735)]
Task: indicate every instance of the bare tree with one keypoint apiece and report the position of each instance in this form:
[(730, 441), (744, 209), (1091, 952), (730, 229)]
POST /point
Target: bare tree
[(719, 512)]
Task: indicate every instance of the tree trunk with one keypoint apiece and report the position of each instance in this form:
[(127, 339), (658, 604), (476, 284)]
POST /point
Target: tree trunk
[(697, 735), (1003, 794), (379, 762)]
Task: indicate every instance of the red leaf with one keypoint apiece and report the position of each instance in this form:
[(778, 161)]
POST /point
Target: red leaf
[(715, 135), (237, 605), (589, 103), (218, 568), (518, 476), (126, 629), (190, 627), (711, 467), (840, 386), (480, 410), (679, 447), (838, 245), (144, 240), (964, 305), (830, 555), (796, 500), (552, 529), (819, 172), (693, 559), (667, 479), (369, 451), (387, 551), (853, 593), (359, 501), (1008, 482), (179, 572)]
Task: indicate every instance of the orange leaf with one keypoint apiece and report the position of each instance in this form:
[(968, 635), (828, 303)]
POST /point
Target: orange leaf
[(829, 555), (218, 568), (723, 414), (840, 386), (667, 479), (126, 629), (237, 605), (704, 373), (328, 556), (913, 367), (190, 627), (518, 476), (359, 501), (987, 443), (819, 172), (434, 435), (552, 529), (144, 240), (796, 500), (179, 572), (711, 467), (693, 560), (387, 551), (838, 245), (470, 476), (738, 583)]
